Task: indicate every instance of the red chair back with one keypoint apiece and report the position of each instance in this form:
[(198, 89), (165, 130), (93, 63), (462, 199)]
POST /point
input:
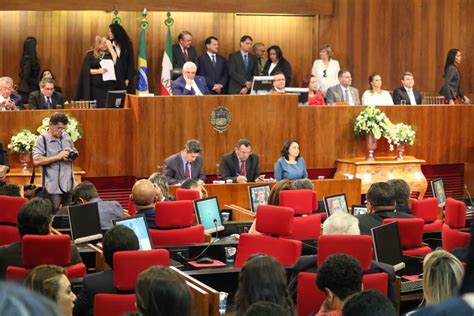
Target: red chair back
[(8, 234), (426, 209), (411, 231), (131, 207), (301, 201), (452, 238), (129, 264), (358, 246), (307, 227), (187, 194), (455, 213), (170, 214), (176, 237), (274, 220), (114, 304), (46, 249), (9, 207)]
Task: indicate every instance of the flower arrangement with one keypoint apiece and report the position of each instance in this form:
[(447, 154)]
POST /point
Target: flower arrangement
[(73, 129), (400, 134), (22, 142), (371, 120)]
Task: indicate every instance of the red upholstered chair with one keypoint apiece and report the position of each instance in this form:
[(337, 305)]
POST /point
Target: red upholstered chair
[(131, 207), (455, 217), (187, 194), (411, 235), (9, 207), (273, 222), (114, 304), (175, 220), (8, 234), (46, 249), (427, 209)]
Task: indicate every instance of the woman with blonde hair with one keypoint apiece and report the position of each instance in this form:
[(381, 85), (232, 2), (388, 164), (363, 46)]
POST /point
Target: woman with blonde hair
[(326, 69)]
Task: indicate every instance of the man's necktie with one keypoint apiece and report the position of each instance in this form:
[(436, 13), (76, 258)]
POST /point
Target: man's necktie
[(49, 103), (346, 95), (185, 54), (214, 60), (246, 62), (243, 169), (187, 173)]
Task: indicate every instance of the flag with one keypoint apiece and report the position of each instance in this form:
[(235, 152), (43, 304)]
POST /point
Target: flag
[(166, 66), (142, 80)]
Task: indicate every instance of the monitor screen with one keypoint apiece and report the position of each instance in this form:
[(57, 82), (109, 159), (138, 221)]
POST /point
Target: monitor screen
[(387, 246), (85, 222), (208, 214), (115, 99), (337, 202), (437, 187), (138, 224), (359, 210), (302, 94), (258, 195), (262, 85)]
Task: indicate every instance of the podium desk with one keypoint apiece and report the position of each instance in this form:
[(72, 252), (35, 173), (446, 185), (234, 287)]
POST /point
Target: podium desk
[(383, 169)]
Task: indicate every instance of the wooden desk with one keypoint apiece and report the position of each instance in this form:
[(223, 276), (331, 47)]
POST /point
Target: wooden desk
[(16, 176), (383, 169)]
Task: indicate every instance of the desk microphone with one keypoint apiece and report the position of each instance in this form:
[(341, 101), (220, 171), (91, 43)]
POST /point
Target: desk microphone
[(470, 207), (215, 225)]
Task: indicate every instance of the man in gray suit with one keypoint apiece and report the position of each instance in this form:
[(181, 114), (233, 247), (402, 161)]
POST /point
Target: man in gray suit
[(185, 164), (343, 92)]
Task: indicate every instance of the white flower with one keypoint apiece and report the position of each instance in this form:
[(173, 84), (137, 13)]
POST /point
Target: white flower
[(72, 129)]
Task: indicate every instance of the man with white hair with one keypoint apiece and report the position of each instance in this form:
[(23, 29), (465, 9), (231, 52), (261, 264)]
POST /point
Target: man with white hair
[(9, 100), (188, 83)]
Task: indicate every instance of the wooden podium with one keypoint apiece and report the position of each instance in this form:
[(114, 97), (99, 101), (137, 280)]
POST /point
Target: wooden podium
[(383, 169), (16, 176)]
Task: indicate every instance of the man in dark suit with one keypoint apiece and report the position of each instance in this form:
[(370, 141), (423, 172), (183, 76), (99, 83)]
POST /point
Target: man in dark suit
[(241, 165), (185, 164), (213, 67), (260, 53), (118, 238), (9, 100), (4, 165), (183, 51), (406, 93), (46, 97), (242, 67), (380, 205), (188, 83)]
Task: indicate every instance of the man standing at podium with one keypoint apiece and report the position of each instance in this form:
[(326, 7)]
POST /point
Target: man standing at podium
[(185, 164), (241, 165)]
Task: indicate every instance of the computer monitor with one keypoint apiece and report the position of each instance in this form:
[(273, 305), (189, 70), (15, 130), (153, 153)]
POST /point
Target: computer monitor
[(258, 195), (115, 99), (302, 94), (208, 214), (85, 222), (138, 224), (262, 85), (387, 246), (336, 202), (437, 187), (359, 209)]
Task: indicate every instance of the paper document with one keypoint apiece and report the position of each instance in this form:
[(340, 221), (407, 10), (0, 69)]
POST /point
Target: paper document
[(110, 73)]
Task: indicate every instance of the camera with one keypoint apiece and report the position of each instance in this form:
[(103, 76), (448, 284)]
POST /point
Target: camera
[(73, 154)]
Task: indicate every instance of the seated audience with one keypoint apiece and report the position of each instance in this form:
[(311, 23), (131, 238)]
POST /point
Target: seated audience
[(185, 164), (191, 184), (339, 277), (8, 99), (369, 302), (406, 92), (315, 97), (86, 192), (213, 67), (276, 63), (46, 97), (380, 205), (376, 95), (290, 165), (10, 190), (304, 184), (52, 282), (402, 194), (161, 186), (161, 291), (343, 92), (241, 165), (326, 69), (118, 238), (34, 218), (263, 308), (47, 73), (188, 83), (278, 84), (341, 223), (4, 164), (144, 197), (262, 278)]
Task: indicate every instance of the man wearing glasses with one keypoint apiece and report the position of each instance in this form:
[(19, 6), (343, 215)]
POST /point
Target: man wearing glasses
[(241, 165), (343, 92)]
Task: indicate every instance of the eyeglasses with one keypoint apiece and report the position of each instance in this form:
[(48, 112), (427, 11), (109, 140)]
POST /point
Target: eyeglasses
[(325, 73)]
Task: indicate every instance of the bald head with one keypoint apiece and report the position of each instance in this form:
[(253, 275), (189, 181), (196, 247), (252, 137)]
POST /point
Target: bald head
[(143, 194)]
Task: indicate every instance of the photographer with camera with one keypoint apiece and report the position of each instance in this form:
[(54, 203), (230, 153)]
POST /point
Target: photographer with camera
[(54, 151)]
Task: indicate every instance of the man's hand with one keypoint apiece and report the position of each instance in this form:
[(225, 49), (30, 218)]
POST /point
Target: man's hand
[(261, 178), (217, 88), (241, 179), (244, 90), (248, 84), (63, 154), (189, 81)]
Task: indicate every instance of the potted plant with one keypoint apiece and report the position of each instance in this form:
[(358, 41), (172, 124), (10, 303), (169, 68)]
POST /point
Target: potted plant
[(23, 143), (373, 124), (400, 135)]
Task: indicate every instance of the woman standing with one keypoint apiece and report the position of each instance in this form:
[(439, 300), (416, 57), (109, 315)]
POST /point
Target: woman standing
[(290, 165), (326, 69), (451, 89), (376, 95), (124, 48), (29, 69), (277, 63)]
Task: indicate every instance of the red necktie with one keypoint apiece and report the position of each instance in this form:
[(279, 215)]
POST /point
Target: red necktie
[(243, 169), (186, 171), (185, 54)]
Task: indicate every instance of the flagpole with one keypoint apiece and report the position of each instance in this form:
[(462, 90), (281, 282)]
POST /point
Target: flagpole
[(142, 78), (167, 64)]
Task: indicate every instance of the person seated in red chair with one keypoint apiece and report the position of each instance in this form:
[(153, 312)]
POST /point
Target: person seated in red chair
[(402, 194), (144, 197), (188, 83), (34, 218)]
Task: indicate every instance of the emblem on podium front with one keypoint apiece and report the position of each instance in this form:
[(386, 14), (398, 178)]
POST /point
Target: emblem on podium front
[(221, 117)]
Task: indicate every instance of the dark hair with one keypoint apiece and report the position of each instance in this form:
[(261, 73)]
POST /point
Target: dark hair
[(193, 146), (246, 37), (243, 141), (44, 81), (467, 285), (262, 278), (304, 184), (118, 238), (44, 70), (30, 56), (209, 40), (263, 308), (369, 302), (189, 183), (401, 189), (10, 190), (278, 52), (182, 34), (34, 217), (161, 292), (381, 195), (121, 37), (44, 279), (341, 72), (406, 73), (371, 78), (286, 147), (161, 181), (86, 191), (450, 59), (342, 274), (57, 118), (282, 185)]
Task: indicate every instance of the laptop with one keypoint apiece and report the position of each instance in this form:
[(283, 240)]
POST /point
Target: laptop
[(359, 209), (258, 195), (336, 202), (85, 223), (115, 99)]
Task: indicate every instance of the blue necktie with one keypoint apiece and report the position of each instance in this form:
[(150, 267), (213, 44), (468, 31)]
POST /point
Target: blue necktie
[(48, 102), (246, 62)]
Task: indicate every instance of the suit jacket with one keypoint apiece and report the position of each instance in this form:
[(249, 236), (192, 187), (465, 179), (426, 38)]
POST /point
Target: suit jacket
[(335, 94), (214, 74), (37, 100), (368, 221), (238, 75), (178, 57), (282, 66), (92, 284), (452, 84), (230, 167), (179, 86), (402, 94), (173, 169)]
